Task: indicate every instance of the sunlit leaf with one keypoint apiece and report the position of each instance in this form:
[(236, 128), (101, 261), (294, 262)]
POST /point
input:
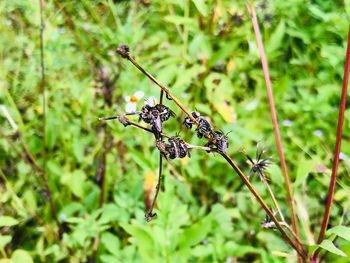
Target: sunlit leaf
[(329, 246), (8, 221)]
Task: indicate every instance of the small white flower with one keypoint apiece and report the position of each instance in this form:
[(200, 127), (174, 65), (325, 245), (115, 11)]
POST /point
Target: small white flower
[(151, 101), (62, 217), (61, 30), (131, 101), (287, 123), (318, 133)]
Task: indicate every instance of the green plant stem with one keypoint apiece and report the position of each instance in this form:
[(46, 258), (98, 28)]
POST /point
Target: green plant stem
[(274, 117), (43, 90), (333, 180)]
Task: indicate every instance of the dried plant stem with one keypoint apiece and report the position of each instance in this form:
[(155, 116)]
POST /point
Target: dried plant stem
[(274, 117), (132, 124), (333, 181), (150, 213), (165, 89), (272, 195), (296, 246), (300, 250), (291, 231)]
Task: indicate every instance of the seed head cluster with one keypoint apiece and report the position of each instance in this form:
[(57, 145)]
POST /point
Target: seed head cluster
[(216, 139)]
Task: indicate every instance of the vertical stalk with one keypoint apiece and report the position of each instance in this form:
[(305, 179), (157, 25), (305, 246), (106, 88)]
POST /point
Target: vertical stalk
[(274, 117), (333, 181), (43, 90)]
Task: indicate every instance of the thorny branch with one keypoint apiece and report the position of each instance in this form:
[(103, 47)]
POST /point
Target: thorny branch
[(123, 51)]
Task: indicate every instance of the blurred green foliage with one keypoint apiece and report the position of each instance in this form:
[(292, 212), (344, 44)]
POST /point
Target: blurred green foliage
[(206, 52)]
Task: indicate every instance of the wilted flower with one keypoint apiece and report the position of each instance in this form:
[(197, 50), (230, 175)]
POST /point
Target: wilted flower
[(131, 101)]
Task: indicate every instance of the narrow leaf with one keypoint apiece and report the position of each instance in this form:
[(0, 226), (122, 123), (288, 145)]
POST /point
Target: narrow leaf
[(341, 231), (329, 246)]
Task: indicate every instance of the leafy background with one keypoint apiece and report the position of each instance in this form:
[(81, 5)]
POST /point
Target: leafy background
[(207, 53)]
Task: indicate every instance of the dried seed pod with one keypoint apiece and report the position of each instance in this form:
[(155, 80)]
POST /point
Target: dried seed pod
[(164, 112), (123, 51), (204, 128), (188, 122), (177, 148), (221, 141)]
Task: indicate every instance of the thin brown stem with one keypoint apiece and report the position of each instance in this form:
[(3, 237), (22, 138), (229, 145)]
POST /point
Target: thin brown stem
[(150, 214), (274, 117), (291, 231), (165, 89), (251, 188), (333, 181), (272, 195), (124, 52)]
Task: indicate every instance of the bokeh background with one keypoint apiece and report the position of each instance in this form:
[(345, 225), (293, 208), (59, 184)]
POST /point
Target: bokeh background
[(101, 174)]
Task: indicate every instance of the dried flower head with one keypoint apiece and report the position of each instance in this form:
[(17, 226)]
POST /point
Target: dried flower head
[(123, 51), (259, 165)]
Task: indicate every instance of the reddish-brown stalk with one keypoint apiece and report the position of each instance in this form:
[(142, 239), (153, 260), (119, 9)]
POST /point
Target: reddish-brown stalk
[(274, 117), (333, 181)]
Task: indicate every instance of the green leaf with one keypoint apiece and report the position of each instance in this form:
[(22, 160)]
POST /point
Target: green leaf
[(20, 256), (8, 221), (276, 38), (341, 231), (196, 233), (4, 240), (143, 239), (329, 246), (201, 6), (304, 168), (111, 242), (180, 20), (75, 182), (347, 7)]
